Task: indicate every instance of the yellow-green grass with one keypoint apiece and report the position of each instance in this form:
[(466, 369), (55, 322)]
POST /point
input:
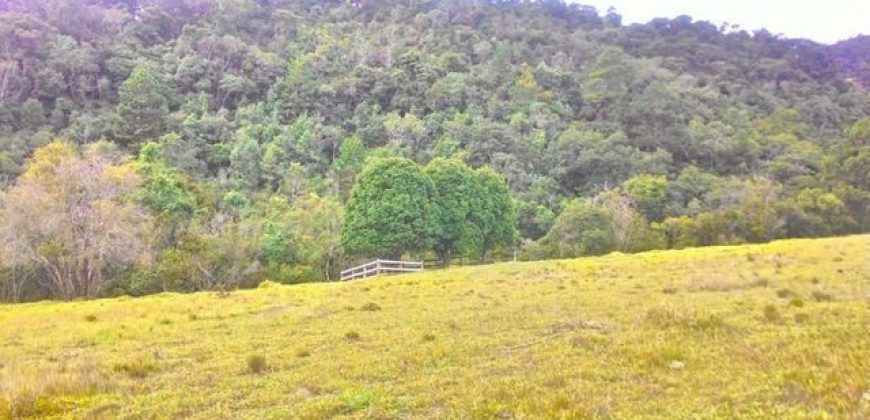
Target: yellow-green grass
[(761, 331)]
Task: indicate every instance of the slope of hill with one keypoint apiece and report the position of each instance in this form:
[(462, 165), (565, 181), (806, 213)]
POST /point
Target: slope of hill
[(775, 330), (852, 56), (252, 120)]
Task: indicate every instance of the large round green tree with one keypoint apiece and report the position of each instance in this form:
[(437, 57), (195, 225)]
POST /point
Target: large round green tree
[(389, 211), (495, 215), (459, 196)]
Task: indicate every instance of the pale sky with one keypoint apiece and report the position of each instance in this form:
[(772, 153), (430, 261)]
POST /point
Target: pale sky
[(825, 21)]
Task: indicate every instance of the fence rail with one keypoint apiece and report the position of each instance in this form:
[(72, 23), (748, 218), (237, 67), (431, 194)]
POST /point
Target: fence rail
[(379, 266)]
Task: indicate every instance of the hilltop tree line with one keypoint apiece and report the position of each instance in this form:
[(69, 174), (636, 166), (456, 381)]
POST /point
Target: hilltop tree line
[(154, 145)]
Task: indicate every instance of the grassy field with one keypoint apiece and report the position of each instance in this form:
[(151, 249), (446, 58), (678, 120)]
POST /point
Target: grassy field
[(763, 331)]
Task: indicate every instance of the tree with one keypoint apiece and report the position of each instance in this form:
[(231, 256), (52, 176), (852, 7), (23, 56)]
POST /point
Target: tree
[(143, 110), (677, 232), (76, 217), (245, 162), (582, 228), (350, 161), (649, 194), (818, 213), (164, 191), (631, 231), (406, 135), (458, 199), (495, 217), (389, 211), (315, 224)]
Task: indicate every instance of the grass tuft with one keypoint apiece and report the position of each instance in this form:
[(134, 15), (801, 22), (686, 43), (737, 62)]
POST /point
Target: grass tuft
[(371, 306), (771, 313), (821, 296), (91, 318), (356, 400), (785, 293), (352, 336), (257, 364), (136, 368)]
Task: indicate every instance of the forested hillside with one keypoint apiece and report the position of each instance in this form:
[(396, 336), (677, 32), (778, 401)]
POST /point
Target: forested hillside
[(151, 145)]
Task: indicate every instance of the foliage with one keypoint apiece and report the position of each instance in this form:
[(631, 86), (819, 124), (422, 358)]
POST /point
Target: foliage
[(582, 228), (496, 217), (389, 212), (458, 199), (683, 132), (73, 215)]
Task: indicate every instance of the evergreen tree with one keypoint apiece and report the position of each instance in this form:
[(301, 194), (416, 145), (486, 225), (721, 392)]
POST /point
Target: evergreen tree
[(143, 110)]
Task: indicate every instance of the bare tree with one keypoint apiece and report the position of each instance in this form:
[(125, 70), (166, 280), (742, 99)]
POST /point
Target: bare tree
[(75, 217)]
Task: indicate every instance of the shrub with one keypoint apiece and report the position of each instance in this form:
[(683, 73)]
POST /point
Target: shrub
[(257, 363)]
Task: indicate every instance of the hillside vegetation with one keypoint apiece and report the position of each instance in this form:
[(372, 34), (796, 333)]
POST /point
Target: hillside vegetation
[(773, 331), (152, 146)]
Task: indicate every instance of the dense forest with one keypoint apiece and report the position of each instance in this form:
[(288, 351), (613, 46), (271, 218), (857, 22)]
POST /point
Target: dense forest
[(183, 145)]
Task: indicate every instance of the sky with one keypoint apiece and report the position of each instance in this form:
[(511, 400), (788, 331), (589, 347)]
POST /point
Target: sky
[(825, 21)]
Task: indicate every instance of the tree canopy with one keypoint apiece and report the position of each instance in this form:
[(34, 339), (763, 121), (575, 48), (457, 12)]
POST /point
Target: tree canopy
[(281, 140)]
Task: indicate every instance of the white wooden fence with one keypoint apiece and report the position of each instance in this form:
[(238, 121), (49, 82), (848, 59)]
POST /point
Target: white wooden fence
[(379, 266)]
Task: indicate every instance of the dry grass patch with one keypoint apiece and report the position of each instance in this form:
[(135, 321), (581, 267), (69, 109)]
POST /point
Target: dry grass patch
[(718, 283), (494, 341), (47, 392)]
